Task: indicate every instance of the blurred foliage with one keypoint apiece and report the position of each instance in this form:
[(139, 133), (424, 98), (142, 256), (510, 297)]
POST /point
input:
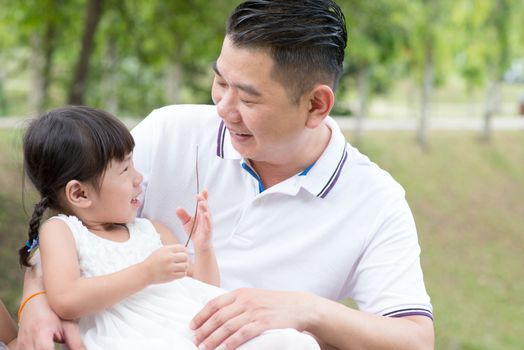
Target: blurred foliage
[(150, 53)]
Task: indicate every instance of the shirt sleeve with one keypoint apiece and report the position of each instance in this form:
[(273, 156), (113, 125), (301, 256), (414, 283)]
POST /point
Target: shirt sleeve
[(389, 280)]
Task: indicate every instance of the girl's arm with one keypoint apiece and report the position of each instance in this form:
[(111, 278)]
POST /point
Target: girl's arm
[(7, 327), (72, 296), (205, 266)]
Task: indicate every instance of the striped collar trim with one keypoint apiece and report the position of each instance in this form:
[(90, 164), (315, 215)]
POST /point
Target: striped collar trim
[(334, 177), (328, 169), (321, 177), (220, 139)]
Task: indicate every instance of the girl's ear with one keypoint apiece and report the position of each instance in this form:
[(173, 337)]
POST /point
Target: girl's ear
[(77, 194), (321, 100)]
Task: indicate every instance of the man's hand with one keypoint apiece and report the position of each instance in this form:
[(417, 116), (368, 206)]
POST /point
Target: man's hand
[(233, 318), (40, 327)]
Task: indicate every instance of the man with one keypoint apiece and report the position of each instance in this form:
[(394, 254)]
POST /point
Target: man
[(301, 218)]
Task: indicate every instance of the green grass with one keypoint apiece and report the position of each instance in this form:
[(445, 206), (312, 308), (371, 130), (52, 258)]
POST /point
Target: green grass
[(467, 199), (12, 217)]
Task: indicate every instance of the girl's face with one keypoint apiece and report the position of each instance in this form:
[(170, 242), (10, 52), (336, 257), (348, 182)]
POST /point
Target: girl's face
[(117, 200)]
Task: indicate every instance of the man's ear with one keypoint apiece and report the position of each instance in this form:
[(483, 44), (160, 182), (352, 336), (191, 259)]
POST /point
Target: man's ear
[(321, 100), (77, 194)]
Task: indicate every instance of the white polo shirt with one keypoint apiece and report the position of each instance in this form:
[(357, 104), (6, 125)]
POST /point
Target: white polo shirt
[(342, 228)]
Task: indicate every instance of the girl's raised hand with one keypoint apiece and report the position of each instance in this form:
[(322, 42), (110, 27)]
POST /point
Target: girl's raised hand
[(167, 263), (202, 232)]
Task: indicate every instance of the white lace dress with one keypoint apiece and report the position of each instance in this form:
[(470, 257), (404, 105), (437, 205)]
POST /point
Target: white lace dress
[(158, 316)]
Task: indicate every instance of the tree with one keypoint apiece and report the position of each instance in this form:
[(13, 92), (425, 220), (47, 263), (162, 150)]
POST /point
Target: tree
[(494, 34), (35, 22), (78, 85), (498, 61), (428, 52), (376, 36)]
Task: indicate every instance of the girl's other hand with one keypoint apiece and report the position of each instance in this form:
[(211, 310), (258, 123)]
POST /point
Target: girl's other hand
[(167, 263)]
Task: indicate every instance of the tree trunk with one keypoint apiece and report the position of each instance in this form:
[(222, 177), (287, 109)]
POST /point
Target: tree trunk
[(36, 62), (363, 95), (78, 85), (110, 78), (3, 99), (422, 132), (491, 106), (43, 48), (174, 74), (48, 47), (173, 83)]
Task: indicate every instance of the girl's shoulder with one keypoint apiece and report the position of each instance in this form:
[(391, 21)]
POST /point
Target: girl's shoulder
[(144, 231), (141, 226), (62, 222)]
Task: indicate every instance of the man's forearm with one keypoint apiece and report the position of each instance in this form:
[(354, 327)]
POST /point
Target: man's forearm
[(345, 328), (33, 282), (7, 329)]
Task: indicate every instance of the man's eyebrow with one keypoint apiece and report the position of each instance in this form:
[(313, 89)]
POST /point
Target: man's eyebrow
[(244, 87), (249, 89), (215, 68)]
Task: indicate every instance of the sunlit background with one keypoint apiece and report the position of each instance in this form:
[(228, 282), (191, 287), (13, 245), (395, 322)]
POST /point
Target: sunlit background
[(433, 91)]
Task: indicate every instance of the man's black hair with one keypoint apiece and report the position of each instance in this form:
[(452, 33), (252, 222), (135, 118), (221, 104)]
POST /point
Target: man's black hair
[(305, 38)]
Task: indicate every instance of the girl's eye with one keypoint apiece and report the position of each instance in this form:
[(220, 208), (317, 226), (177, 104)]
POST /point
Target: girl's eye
[(126, 168)]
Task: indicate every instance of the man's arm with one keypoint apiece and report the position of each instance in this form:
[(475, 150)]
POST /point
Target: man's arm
[(389, 265), (346, 328), (236, 317), (39, 326), (7, 326)]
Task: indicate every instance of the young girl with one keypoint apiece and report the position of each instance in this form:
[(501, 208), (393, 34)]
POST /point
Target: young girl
[(7, 329), (123, 277)]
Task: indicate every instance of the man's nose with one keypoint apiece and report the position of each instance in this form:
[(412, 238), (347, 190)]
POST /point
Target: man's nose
[(227, 107)]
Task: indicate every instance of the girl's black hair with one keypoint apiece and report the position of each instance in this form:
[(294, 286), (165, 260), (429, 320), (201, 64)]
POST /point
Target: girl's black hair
[(68, 143)]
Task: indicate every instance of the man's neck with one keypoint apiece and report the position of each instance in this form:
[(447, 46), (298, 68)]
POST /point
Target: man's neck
[(273, 173)]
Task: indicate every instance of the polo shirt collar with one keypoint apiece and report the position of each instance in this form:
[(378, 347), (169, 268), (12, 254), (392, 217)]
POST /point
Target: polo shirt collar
[(321, 178)]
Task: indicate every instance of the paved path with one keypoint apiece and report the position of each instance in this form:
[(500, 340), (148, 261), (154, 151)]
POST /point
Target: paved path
[(516, 123)]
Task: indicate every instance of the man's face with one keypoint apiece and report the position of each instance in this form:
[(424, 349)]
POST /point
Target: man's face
[(264, 124)]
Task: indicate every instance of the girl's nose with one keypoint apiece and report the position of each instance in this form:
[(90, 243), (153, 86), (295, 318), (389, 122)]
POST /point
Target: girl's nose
[(138, 178)]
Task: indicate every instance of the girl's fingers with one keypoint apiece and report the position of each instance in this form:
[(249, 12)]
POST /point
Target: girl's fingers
[(183, 215)]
